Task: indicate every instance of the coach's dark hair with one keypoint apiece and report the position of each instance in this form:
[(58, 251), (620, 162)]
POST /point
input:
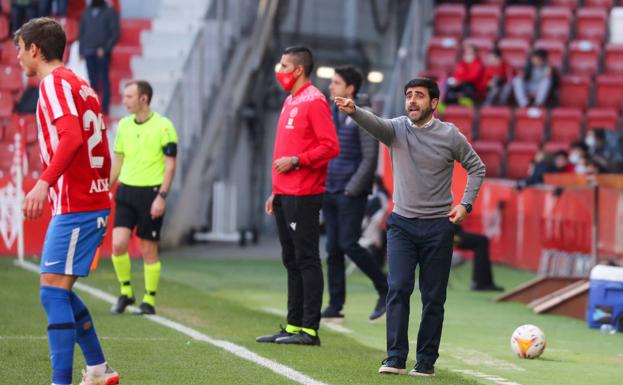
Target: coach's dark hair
[(144, 88), (429, 84), (352, 77), (47, 34), (303, 56)]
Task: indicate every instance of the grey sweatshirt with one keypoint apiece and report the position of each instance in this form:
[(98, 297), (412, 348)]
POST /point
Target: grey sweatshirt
[(423, 162)]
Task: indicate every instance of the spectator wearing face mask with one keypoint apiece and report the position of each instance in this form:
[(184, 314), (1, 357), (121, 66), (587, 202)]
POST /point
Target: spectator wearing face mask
[(561, 162), (578, 151), (465, 84)]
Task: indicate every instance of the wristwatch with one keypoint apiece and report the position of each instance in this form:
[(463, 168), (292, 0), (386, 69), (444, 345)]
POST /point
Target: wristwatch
[(295, 161), (467, 206), (163, 194)]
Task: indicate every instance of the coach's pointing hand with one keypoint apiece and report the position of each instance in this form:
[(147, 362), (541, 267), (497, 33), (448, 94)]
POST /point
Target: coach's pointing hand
[(345, 105)]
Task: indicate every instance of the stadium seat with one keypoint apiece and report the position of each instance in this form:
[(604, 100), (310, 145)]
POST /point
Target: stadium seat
[(602, 118), (485, 21), (437, 75), (530, 125), (449, 20), (483, 44), (518, 158), (616, 25), (574, 91), (6, 104), (552, 147), (613, 59), (583, 57), (555, 50), (591, 24), (555, 23), (122, 57), (494, 124), (442, 53), (130, 32), (519, 21), (609, 91), (26, 122), (6, 156), (462, 118), (11, 78), (565, 124), (491, 154), (71, 28), (514, 51), (116, 79), (4, 27), (571, 4), (9, 53), (605, 4)]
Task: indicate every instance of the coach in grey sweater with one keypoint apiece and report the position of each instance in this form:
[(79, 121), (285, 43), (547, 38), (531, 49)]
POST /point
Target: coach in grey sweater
[(420, 229)]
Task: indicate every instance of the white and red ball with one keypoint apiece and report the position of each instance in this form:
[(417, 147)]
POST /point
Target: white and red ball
[(528, 341)]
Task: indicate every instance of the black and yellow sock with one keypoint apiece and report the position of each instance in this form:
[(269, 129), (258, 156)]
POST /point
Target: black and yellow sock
[(293, 329), (123, 270), (152, 277), (311, 332)]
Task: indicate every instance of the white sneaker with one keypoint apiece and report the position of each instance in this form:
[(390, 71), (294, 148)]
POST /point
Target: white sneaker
[(110, 377)]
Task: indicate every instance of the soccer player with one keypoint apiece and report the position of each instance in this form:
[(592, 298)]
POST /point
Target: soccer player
[(421, 226), (76, 162), (144, 163), (306, 141)]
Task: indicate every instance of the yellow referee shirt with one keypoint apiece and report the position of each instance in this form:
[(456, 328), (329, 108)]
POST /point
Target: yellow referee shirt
[(142, 148)]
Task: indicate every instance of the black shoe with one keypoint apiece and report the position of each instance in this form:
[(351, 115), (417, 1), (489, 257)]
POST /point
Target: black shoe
[(146, 308), (330, 314), (492, 287), (273, 338), (393, 365), (122, 302), (301, 338), (422, 371), (380, 308)]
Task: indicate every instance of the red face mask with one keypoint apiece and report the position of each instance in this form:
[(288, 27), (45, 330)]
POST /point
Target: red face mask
[(286, 80)]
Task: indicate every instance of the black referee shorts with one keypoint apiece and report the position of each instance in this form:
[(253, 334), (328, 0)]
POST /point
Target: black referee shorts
[(132, 207)]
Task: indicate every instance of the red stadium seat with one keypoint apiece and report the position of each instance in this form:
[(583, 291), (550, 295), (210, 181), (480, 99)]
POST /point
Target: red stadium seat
[(552, 147), (491, 154), (609, 91), (485, 20), (449, 19), (518, 158), (6, 104), (494, 124), (131, 29), (11, 78), (442, 53), (591, 24), (483, 44), (122, 56), (530, 125), (462, 118), (6, 156), (555, 23), (555, 51), (116, 79), (9, 53), (613, 58), (602, 118), (71, 28), (574, 91), (141, 24), (571, 4), (519, 21), (565, 124), (605, 4), (583, 57), (514, 51), (437, 75), (26, 122), (4, 27)]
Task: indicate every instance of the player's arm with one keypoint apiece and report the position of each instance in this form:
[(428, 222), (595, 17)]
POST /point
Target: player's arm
[(69, 143), (115, 169)]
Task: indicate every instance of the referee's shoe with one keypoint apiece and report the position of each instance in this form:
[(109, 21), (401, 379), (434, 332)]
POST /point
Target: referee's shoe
[(122, 302)]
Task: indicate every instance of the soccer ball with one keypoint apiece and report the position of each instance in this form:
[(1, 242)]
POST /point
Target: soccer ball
[(528, 341)]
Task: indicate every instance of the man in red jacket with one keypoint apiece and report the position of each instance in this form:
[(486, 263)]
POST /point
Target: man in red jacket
[(306, 140)]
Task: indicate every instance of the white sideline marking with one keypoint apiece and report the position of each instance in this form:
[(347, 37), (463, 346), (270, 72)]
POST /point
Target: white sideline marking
[(496, 379), (329, 325), (226, 345), (474, 357)]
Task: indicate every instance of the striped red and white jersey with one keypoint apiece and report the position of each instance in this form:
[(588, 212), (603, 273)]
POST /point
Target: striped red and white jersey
[(84, 185)]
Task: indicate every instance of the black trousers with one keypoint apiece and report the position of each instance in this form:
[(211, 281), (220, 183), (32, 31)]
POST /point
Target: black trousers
[(479, 244), (343, 216), (298, 224), (427, 243)]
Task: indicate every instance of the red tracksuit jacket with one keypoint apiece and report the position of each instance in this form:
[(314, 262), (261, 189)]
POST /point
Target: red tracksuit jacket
[(306, 130)]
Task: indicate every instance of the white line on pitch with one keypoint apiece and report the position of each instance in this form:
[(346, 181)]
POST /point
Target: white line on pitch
[(237, 350)]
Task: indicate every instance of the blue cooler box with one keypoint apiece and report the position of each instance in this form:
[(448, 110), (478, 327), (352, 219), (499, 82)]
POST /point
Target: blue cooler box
[(605, 301)]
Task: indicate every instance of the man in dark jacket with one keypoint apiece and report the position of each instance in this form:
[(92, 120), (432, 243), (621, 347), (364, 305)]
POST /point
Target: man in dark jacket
[(349, 182), (99, 32)]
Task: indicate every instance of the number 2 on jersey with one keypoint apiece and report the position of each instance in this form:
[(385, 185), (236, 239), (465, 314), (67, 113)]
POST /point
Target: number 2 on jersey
[(89, 118)]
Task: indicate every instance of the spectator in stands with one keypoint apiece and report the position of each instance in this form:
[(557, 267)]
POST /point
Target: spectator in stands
[(53, 7), (482, 274), (99, 32), (561, 162), (579, 151), (497, 79), (592, 170), (534, 87), (465, 84), (541, 164), (21, 12), (597, 147)]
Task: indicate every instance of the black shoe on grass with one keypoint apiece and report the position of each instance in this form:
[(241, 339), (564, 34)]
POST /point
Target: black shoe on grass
[(301, 338), (270, 339), (122, 302)]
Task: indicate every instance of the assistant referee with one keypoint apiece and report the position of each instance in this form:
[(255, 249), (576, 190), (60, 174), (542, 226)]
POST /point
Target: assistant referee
[(144, 162)]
